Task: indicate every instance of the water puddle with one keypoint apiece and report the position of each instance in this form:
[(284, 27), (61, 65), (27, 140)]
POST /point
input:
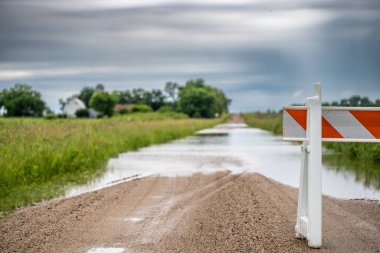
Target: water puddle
[(106, 250), (232, 147), (134, 219), (155, 197)]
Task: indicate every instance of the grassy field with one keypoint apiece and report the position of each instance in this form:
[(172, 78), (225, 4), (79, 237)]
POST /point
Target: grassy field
[(38, 156), (364, 153), (271, 121)]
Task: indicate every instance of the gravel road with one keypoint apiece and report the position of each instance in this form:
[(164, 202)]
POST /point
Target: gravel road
[(220, 212)]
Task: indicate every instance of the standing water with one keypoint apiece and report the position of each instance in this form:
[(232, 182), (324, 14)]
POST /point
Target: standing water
[(232, 147)]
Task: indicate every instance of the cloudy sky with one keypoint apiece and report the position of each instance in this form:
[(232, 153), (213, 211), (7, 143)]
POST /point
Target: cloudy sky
[(263, 54)]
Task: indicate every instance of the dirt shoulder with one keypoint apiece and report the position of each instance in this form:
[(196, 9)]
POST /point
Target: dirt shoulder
[(203, 213), (236, 119)]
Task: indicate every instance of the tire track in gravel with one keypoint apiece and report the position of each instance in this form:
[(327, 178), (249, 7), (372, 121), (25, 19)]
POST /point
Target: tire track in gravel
[(219, 212)]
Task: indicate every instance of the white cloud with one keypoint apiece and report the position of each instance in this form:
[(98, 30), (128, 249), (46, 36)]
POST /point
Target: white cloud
[(117, 4), (14, 74), (196, 67)]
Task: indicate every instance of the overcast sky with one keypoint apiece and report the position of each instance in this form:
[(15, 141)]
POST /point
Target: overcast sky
[(263, 54)]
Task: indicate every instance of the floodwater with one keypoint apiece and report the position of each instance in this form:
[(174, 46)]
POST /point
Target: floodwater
[(236, 148)]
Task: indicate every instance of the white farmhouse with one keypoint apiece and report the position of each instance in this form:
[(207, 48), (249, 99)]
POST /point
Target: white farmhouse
[(72, 105)]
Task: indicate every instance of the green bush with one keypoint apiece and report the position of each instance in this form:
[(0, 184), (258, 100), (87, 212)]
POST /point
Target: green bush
[(123, 111), (61, 116), (166, 108), (141, 108), (82, 113), (50, 116)]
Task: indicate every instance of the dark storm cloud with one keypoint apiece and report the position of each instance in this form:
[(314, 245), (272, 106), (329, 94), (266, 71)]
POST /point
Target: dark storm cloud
[(261, 53)]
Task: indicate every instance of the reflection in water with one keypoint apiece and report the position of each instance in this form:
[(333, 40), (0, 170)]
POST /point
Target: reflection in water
[(232, 147), (368, 173)]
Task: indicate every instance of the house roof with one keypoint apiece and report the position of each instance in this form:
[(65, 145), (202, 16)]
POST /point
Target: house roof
[(77, 101), (119, 107)]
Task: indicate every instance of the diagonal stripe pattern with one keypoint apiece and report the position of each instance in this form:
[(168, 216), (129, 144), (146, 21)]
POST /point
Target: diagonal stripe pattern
[(369, 119), (338, 123)]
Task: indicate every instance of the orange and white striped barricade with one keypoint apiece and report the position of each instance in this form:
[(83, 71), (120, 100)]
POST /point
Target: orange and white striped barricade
[(313, 124)]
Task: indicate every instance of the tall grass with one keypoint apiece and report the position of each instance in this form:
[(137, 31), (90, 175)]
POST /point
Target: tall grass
[(365, 152), (38, 157), (270, 121)]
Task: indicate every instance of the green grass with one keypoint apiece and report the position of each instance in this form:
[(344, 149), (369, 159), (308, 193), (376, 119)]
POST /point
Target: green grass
[(363, 152), (38, 157), (271, 122)]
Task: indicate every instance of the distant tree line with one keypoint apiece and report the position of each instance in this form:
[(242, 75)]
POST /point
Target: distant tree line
[(195, 98), (154, 98), (354, 101)]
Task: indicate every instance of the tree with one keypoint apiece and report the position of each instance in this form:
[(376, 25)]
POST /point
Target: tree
[(344, 102), (154, 99), (158, 99), (354, 100), (86, 94), (62, 104), (138, 96), (197, 103), (366, 102), (172, 89), (21, 100), (103, 102), (197, 99), (123, 97), (146, 97)]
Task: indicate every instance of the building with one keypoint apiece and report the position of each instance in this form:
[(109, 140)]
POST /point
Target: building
[(93, 113), (120, 107), (99, 87), (72, 105)]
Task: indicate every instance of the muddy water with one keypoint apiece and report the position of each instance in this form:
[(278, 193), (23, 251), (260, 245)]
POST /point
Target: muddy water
[(232, 147)]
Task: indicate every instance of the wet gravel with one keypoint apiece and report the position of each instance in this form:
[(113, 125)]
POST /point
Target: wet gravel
[(202, 213)]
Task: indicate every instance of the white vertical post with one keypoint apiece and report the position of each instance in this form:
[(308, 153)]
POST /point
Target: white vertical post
[(314, 233), (309, 212)]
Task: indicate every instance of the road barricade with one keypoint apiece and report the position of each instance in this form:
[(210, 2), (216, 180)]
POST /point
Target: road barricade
[(313, 124)]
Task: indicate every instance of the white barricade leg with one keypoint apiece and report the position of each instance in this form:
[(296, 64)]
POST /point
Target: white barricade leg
[(301, 229)]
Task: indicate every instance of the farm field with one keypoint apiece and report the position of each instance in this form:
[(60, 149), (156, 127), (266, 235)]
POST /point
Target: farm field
[(38, 157)]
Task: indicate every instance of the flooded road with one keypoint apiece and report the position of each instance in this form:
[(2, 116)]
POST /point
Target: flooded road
[(198, 195), (232, 147)]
